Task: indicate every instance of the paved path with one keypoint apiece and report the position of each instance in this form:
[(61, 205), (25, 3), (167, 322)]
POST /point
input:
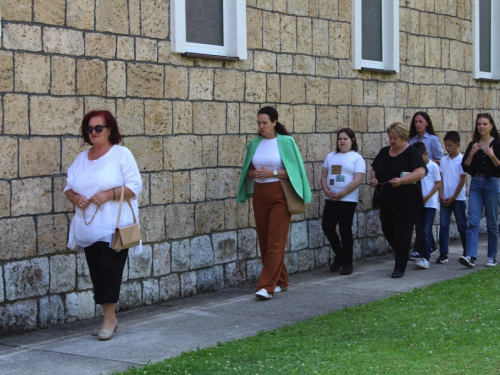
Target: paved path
[(163, 331)]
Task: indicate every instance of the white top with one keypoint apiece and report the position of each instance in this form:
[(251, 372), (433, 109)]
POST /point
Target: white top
[(86, 177), (268, 156), (451, 170), (428, 183), (341, 169)]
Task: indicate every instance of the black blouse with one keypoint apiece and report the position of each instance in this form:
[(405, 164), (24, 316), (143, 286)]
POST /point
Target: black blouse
[(387, 167), (481, 163)]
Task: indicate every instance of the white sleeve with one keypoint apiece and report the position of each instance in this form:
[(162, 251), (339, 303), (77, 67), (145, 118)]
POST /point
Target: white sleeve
[(360, 166), (130, 172)]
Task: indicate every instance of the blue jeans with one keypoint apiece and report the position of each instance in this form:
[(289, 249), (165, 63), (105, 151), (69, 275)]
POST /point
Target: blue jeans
[(483, 192), (458, 208), (423, 230)]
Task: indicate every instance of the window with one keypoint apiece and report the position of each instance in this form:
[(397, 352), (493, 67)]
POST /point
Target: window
[(486, 45), (375, 35), (209, 27)]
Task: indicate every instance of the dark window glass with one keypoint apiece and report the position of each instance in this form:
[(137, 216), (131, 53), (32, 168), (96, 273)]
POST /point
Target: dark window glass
[(204, 22), (485, 35), (371, 27)]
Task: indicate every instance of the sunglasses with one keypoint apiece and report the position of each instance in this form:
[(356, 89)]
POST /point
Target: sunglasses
[(483, 115), (98, 128)]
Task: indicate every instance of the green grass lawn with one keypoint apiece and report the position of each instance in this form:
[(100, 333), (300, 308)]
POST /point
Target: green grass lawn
[(446, 328)]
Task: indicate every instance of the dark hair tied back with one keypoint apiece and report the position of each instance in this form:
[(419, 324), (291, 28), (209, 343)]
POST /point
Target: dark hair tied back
[(273, 116)]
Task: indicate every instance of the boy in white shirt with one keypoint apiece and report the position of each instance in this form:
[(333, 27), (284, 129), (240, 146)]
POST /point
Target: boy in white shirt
[(431, 184), (451, 194)]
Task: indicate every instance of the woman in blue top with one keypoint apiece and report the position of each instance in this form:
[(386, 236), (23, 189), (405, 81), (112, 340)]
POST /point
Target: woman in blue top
[(421, 130), (269, 158)]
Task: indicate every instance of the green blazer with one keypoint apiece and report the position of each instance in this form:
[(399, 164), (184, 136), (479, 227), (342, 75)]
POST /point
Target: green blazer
[(290, 155)]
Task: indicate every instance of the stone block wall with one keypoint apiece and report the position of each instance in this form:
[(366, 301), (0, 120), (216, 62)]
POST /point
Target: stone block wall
[(187, 122)]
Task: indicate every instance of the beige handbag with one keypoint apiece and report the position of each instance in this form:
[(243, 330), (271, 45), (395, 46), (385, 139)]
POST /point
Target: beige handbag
[(294, 202), (127, 236)]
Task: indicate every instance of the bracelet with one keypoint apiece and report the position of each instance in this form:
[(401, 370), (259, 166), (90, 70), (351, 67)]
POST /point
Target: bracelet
[(114, 196)]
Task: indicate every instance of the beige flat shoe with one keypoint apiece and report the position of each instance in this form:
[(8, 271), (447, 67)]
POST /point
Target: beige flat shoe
[(106, 334), (95, 332)]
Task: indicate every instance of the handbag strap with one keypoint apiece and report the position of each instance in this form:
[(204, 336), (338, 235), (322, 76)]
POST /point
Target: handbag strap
[(120, 208)]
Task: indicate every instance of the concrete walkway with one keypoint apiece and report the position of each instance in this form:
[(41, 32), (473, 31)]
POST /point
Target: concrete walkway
[(163, 331)]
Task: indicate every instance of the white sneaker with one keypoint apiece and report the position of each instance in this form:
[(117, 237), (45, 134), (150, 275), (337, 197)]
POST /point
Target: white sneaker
[(422, 263), (279, 289), (491, 262), (263, 294)]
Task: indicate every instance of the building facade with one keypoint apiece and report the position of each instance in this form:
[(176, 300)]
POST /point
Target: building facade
[(187, 118)]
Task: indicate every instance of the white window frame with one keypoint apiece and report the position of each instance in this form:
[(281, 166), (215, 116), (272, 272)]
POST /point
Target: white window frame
[(235, 31), (390, 38), (495, 42)]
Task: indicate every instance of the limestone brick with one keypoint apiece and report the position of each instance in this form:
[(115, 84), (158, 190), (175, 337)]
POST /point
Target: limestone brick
[(230, 84), (112, 16), (166, 56), (55, 116), (298, 7), (358, 119), (63, 41), (154, 19), (264, 61), (340, 40), (470, 97), (292, 89), (236, 215), (63, 76), (414, 96), (32, 80), (345, 10), (181, 253), (315, 234), (52, 232), (158, 117), (327, 67), (265, 4), (169, 287), (209, 151), (152, 220), (341, 91), (466, 31), (255, 87), (6, 71), (328, 9), (140, 265), (134, 12), (326, 119), (39, 157), (219, 184), (285, 63), (254, 28), (181, 186), (318, 146), (19, 231), (280, 6), (427, 96), (161, 187), (91, 77), (4, 200), (201, 252), (393, 115), (231, 150), (224, 246), (443, 96), (356, 91), (209, 217), (9, 157), (320, 37), (62, 273), (452, 28), (271, 31), (80, 14), (116, 79), (303, 64), (183, 152), (401, 94), (298, 236), (304, 35), (16, 10), (416, 53), (376, 119), (317, 90), (304, 118), (125, 49), (182, 117), (201, 82), (210, 279), (100, 45), (198, 181), (24, 190), (51, 311), (247, 244), (18, 316), (180, 221), (456, 55), (147, 152), (130, 116), (26, 278), (209, 118), (145, 80), (21, 37), (176, 82), (288, 33), (254, 267), (248, 118), (386, 94), (146, 49), (234, 274), (49, 11), (459, 97)]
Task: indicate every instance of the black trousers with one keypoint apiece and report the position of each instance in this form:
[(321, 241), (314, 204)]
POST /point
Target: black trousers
[(341, 213), (106, 269), (398, 229)]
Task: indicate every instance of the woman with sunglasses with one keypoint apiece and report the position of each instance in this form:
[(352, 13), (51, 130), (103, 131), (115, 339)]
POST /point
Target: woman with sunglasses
[(482, 162), (94, 184)]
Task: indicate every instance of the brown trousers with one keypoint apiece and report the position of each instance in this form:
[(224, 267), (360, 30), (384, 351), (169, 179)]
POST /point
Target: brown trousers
[(272, 220)]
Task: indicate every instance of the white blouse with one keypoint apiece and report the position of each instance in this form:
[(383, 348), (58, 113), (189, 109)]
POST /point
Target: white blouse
[(87, 177)]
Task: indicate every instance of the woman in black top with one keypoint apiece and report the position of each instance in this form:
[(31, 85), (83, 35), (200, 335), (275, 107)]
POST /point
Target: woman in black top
[(482, 162), (395, 175)]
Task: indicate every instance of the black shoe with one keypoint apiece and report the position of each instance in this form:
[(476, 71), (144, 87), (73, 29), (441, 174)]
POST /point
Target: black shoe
[(467, 261), (346, 270), (397, 274), (443, 258), (335, 266)]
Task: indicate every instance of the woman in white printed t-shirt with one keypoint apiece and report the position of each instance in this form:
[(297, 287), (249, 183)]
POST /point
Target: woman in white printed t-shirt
[(343, 171)]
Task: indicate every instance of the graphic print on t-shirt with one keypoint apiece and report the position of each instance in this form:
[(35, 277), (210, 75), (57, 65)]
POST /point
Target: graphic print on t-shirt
[(336, 171)]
